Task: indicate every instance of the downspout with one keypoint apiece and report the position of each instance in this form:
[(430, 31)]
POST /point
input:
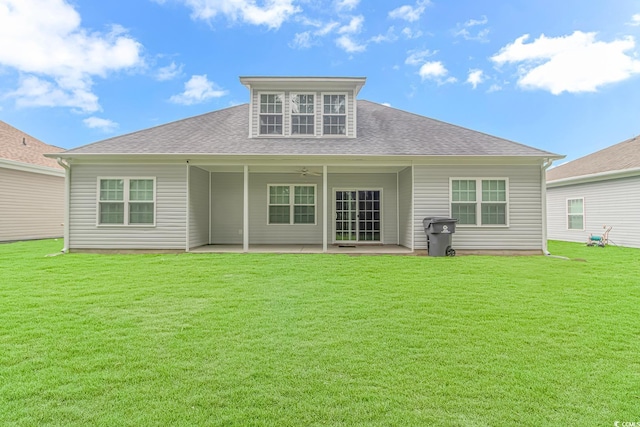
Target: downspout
[(543, 185), (67, 199)]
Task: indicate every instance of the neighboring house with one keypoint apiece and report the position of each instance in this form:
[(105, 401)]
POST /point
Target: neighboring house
[(31, 188), (600, 189), (304, 163)]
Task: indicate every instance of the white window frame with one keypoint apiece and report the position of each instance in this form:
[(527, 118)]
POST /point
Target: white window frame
[(281, 114), (292, 95), (126, 200), (566, 207), (478, 202), (292, 204), (346, 115)]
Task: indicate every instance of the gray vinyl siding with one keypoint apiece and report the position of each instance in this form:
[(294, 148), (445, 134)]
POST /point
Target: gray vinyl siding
[(318, 102), (405, 206), (614, 202), (431, 189), (198, 207), (226, 207), (32, 205), (260, 232), (171, 198), (369, 181)]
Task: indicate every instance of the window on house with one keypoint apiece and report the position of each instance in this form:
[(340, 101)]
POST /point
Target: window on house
[(575, 214), (479, 201), (271, 114), (334, 119), (292, 204), (126, 201), (302, 114)]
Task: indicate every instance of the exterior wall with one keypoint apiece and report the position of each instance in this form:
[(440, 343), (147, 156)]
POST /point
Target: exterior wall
[(226, 208), (614, 202), (198, 207), (405, 206), (387, 182), (32, 205), (171, 199), (431, 195), (255, 112)]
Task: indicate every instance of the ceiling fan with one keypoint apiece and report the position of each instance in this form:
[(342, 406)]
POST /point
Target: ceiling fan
[(305, 171)]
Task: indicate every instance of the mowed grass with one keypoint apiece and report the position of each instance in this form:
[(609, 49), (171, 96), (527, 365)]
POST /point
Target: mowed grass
[(292, 340)]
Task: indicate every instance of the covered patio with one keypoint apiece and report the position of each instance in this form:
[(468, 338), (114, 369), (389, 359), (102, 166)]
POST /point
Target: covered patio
[(308, 249)]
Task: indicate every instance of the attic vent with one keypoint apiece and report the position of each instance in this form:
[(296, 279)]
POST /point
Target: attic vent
[(23, 141)]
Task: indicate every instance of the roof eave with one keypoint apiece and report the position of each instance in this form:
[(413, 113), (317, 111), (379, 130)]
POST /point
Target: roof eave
[(600, 176)]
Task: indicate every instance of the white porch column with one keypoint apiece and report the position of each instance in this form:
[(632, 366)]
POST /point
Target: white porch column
[(245, 212), (325, 208)]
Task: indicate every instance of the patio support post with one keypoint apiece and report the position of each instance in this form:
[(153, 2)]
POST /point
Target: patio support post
[(245, 212), (325, 208)]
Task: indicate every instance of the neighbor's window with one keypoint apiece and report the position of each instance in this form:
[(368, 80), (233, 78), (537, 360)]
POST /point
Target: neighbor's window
[(334, 119), (479, 201), (302, 114), (126, 201), (292, 204), (271, 113), (575, 214)]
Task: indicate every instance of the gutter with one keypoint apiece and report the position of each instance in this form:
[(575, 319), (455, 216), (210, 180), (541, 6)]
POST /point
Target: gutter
[(67, 200), (543, 186)]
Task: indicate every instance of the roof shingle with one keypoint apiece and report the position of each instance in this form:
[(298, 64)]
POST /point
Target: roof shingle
[(18, 146), (382, 131)]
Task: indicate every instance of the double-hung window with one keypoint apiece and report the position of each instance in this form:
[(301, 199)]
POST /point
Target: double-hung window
[(302, 114), (271, 113), (476, 201), (334, 117), (126, 201), (292, 204), (575, 214)]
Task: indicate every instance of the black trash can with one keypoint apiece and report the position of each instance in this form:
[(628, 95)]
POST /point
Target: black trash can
[(439, 231)]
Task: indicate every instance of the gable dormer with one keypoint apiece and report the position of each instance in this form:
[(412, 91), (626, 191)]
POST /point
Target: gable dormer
[(303, 107)]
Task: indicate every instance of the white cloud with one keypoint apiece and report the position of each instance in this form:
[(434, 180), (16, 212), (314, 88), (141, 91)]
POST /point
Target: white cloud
[(388, 37), (418, 57), (410, 34), (349, 45), (58, 58), (325, 29), (494, 88), (386, 104), (353, 27), (105, 125), (635, 20), (409, 13), (272, 14), (197, 90), (573, 63), (462, 30), (436, 71), (301, 40), (346, 4), (169, 72), (475, 77)]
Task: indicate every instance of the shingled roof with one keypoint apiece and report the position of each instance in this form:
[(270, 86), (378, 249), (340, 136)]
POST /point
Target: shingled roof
[(382, 131), (18, 146), (622, 156)]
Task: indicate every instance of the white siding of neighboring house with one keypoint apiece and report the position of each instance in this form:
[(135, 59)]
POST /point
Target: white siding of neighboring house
[(613, 202), (318, 98), (525, 206), (171, 200), (226, 208), (198, 207), (31, 205), (405, 208)]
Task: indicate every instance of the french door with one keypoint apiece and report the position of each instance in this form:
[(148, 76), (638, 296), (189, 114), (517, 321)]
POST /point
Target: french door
[(358, 216)]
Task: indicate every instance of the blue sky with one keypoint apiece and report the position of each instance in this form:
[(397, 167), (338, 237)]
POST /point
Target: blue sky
[(561, 75)]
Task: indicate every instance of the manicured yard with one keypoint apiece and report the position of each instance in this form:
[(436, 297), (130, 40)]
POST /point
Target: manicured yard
[(292, 340)]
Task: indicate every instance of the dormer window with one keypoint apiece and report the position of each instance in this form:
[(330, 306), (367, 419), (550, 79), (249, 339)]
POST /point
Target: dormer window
[(271, 113), (334, 119), (302, 114)]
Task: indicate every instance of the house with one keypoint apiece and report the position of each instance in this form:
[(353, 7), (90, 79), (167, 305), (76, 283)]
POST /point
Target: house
[(304, 163), (31, 188), (602, 188)]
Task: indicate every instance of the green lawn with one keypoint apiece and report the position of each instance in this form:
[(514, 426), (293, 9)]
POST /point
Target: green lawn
[(293, 340)]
